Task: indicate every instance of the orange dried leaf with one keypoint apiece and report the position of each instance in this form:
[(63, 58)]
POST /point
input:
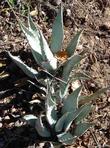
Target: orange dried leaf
[(62, 55)]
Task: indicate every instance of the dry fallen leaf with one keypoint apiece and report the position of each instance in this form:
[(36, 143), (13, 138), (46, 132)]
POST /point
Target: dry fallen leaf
[(34, 13)]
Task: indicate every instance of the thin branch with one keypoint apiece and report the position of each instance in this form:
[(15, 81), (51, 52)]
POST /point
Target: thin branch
[(95, 139)]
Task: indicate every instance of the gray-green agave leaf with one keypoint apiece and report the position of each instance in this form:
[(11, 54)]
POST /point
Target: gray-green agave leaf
[(74, 115), (30, 119), (80, 129), (69, 65), (36, 33), (73, 44), (71, 102), (66, 120), (85, 111), (39, 45), (26, 69), (50, 62), (41, 129), (60, 123), (32, 27), (51, 113), (34, 42), (63, 89), (66, 138), (57, 32)]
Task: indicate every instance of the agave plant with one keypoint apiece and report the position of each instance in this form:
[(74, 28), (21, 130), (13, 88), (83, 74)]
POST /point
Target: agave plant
[(50, 59), (46, 57), (62, 108), (55, 123)]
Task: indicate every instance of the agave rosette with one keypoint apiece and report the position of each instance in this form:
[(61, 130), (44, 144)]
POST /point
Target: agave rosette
[(44, 55), (58, 127), (57, 80)]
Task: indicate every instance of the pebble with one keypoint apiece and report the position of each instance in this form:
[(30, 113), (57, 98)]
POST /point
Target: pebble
[(7, 118), (13, 110), (109, 99), (0, 119), (1, 125), (55, 2), (34, 13), (68, 11)]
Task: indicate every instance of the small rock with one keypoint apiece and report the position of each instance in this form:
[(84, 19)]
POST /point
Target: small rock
[(0, 119), (13, 110), (5, 38), (55, 2), (34, 13), (109, 99), (11, 124), (75, 85), (1, 125), (7, 118), (18, 123), (107, 12), (68, 12)]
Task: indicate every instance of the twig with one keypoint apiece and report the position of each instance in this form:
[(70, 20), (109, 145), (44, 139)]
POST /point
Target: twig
[(95, 139), (106, 146), (12, 9)]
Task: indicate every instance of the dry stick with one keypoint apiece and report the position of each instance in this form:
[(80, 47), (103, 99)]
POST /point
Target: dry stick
[(15, 12), (95, 139), (12, 9), (52, 76)]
